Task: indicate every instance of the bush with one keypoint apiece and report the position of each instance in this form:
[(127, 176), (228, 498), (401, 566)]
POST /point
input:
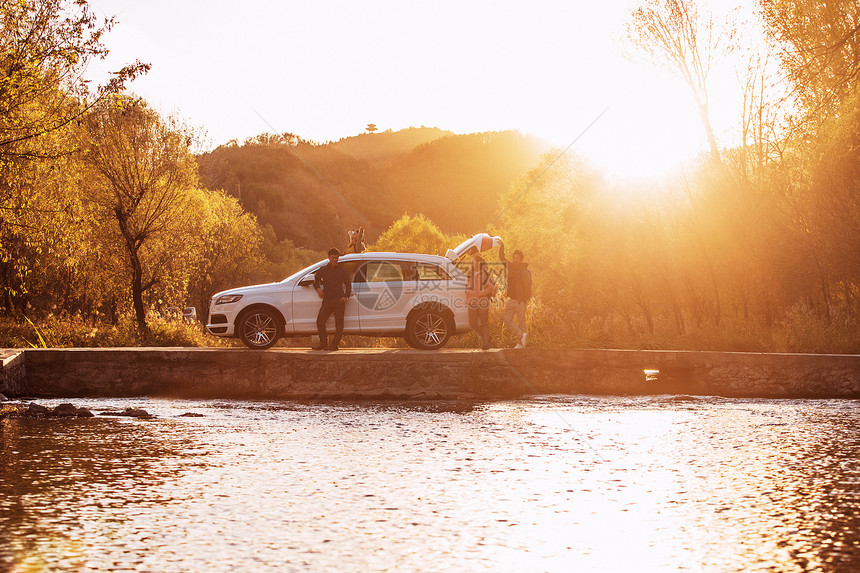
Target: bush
[(803, 330), (76, 331)]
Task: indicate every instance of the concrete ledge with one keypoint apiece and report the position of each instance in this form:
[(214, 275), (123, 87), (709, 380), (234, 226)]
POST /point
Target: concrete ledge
[(413, 374), (13, 375)]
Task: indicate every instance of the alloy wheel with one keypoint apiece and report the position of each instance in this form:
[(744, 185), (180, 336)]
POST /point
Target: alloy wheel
[(431, 330), (259, 330)]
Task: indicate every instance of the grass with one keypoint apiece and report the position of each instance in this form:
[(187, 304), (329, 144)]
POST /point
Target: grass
[(76, 331), (800, 331)]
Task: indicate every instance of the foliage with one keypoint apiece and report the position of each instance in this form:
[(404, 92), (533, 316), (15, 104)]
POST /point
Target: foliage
[(684, 40), (312, 194), (42, 343), (70, 331), (139, 170), (416, 234), (548, 214), (287, 188), (45, 46), (282, 258), (103, 225), (226, 246), (818, 44)]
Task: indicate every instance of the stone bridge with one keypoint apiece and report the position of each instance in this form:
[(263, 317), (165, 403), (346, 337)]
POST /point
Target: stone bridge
[(412, 374)]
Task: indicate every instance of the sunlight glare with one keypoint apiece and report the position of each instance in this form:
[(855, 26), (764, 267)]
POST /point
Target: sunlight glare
[(650, 131)]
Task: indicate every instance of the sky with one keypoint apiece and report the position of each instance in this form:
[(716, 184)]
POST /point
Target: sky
[(325, 69)]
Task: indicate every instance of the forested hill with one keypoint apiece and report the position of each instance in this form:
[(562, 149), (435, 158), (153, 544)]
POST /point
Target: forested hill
[(389, 144), (311, 194)]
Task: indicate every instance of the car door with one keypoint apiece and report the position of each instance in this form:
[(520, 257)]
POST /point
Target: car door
[(306, 305), (383, 292)]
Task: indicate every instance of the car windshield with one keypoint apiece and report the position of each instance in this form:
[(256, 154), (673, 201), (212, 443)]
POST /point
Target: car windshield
[(305, 270)]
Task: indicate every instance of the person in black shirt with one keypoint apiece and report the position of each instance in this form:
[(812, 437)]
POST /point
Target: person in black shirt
[(333, 284), (519, 292)]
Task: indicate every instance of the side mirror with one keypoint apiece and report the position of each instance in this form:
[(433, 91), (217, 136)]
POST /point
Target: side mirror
[(307, 281)]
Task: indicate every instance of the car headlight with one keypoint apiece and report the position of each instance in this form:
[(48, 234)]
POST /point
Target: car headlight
[(228, 298)]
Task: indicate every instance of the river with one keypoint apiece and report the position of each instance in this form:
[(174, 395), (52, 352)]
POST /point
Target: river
[(550, 483)]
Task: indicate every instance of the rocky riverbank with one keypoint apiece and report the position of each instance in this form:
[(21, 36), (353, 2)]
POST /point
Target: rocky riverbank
[(37, 411), (34, 411)]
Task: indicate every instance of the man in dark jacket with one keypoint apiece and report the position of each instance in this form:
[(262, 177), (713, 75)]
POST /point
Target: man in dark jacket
[(332, 283), (519, 292)]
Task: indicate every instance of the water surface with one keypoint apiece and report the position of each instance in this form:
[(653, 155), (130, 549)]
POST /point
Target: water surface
[(554, 483)]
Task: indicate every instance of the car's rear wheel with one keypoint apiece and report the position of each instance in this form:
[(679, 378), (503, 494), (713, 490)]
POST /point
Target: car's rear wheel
[(259, 328), (428, 329)]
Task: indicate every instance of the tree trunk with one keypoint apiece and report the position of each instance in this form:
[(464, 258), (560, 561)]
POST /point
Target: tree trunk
[(680, 327), (717, 313), (203, 310), (132, 245), (709, 131), (137, 292)]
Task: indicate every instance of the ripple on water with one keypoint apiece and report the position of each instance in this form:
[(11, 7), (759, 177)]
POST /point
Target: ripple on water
[(549, 483)]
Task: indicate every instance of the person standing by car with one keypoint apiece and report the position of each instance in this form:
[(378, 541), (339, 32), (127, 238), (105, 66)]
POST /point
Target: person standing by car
[(478, 294), (333, 285), (519, 292)]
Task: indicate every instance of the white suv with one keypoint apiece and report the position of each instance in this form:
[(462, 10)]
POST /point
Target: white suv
[(419, 297)]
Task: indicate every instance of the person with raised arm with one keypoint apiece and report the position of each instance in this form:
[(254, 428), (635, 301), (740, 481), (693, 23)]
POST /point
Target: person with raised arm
[(519, 291), (334, 287)]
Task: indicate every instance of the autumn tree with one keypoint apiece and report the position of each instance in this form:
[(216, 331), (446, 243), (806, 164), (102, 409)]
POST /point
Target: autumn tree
[(819, 48), (45, 47), (547, 213), (681, 39), (762, 123), (415, 234), (818, 45), (140, 170), (227, 246)]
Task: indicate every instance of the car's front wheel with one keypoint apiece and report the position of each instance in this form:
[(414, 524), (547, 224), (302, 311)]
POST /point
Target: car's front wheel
[(259, 328), (428, 329)]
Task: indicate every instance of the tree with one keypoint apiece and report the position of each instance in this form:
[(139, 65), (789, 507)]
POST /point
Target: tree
[(416, 234), (140, 170), (45, 46), (819, 46), (548, 214), (819, 49), (678, 38), (762, 122), (227, 246), (371, 127)]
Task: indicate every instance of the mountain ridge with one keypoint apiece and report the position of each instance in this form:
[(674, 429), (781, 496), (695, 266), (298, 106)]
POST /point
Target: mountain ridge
[(312, 194)]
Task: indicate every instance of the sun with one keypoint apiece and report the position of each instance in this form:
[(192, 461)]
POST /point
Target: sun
[(648, 132), (644, 122)]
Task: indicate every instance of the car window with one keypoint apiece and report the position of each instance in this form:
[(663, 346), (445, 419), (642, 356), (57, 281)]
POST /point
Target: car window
[(379, 271), (351, 267), (430, 272)]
